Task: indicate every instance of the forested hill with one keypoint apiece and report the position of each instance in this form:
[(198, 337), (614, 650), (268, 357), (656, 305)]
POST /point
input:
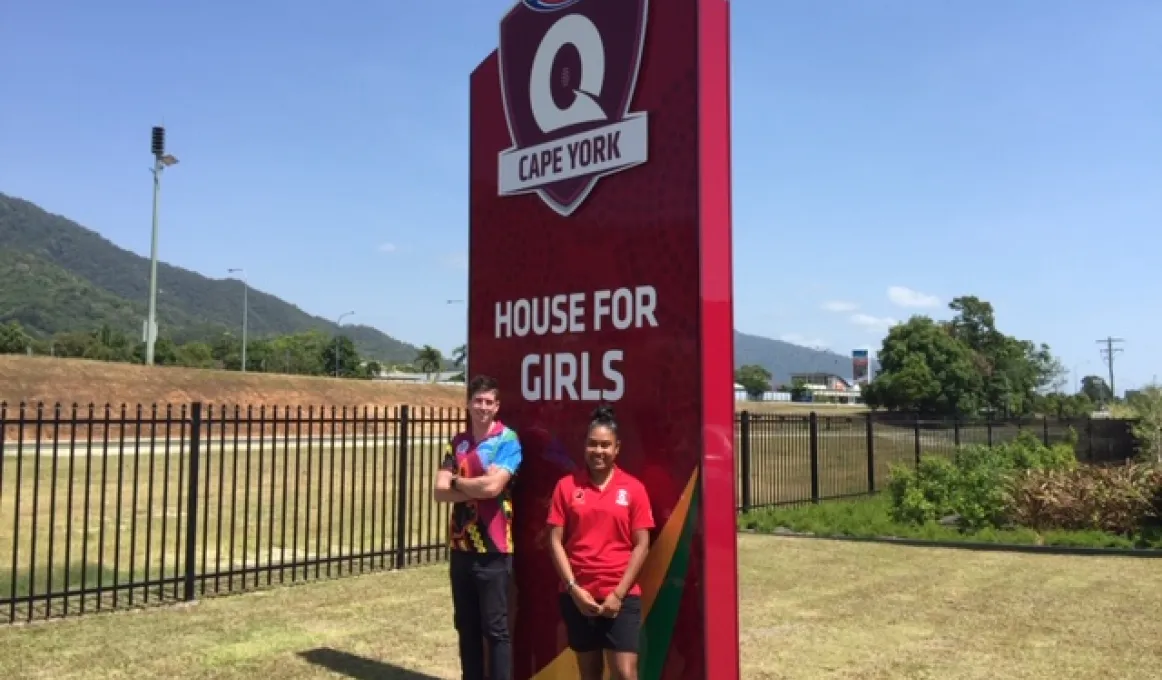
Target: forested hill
[(58, 276)]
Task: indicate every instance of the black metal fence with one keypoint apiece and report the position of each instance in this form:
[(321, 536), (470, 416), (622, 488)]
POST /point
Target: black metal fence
[(791, 459), (107, 508)]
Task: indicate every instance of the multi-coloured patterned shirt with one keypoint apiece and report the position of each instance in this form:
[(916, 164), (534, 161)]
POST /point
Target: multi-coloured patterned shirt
[(483, 525)]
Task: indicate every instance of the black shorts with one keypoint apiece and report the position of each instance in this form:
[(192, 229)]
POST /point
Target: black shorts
[(590, 634)]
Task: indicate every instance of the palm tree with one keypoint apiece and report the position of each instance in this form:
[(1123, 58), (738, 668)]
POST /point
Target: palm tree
[(429, 360), (460, 361)]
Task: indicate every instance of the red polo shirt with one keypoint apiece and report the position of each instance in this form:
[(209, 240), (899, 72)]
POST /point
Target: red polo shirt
[(599, 527)]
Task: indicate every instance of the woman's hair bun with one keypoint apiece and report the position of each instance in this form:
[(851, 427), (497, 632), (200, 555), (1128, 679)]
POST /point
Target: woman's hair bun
[(604, 414)]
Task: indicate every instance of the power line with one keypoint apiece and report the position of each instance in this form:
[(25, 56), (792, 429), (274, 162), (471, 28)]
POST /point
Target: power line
[(1108, 354)]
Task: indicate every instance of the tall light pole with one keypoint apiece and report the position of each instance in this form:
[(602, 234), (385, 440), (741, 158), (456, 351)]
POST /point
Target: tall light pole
[(161, 161), (245, 310), (340, 324)]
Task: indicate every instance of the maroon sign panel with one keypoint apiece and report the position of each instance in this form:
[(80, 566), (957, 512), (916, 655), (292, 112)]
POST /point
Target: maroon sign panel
[(600, 272)]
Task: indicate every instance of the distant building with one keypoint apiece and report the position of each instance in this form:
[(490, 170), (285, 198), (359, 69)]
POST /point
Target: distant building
[(443, 377), (828, 385), (822, 381), (740, 394)]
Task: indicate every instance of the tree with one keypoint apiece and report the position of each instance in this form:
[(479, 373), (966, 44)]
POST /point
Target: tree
[(799, 390), (13, 339), (460, 360), (1097, 389), (963, 365), (372, 368), (1147, 405), (340, 358), (195, 355), (754, 379), (429, 360), (923, 367), (300, 353), (1061, 405)]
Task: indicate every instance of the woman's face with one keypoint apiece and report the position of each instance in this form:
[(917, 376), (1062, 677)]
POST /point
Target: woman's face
[(600, 448)]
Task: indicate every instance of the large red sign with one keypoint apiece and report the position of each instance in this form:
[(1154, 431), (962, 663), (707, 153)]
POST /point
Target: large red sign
[(600, 271)]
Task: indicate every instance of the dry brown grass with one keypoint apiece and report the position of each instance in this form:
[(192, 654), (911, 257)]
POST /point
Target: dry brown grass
[(809, 609), (48, 379), (793, 408)]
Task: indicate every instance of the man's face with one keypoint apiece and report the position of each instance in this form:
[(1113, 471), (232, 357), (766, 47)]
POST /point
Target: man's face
[(483, 407)]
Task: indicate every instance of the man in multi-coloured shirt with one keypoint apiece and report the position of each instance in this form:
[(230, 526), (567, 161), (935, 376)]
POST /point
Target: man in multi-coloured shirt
[(476, 477)]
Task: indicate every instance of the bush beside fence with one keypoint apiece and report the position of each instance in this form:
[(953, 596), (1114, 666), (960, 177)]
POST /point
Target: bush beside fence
[(105, 508)]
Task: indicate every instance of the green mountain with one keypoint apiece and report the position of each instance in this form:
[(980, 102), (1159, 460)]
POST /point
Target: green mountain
[(58, 276)]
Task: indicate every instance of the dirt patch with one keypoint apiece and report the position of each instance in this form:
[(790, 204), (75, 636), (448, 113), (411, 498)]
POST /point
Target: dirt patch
[(67, 381)]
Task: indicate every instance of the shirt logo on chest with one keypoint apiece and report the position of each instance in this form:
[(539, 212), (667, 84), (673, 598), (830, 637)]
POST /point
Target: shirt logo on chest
[(622, 497)]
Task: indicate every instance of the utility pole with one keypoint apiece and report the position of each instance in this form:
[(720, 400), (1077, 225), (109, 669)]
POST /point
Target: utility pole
[(1108, 354), (161, 161)]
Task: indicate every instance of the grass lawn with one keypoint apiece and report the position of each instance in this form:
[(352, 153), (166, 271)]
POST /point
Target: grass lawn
[(810, 609)]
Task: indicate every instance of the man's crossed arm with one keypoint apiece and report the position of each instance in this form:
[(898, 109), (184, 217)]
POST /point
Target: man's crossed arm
[(451, 488)]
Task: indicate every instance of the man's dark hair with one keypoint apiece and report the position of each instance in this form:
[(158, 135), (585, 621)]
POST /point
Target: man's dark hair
[(483, 383)]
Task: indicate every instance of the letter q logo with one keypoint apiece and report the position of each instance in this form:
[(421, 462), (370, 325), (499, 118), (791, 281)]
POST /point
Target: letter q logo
[(567, 78), (581, 33)]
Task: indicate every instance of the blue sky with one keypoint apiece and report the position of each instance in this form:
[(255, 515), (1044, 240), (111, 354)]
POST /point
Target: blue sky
[(888, 156)]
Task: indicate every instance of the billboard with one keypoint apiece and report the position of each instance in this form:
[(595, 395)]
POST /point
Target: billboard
[(859, 366), (600, 271)]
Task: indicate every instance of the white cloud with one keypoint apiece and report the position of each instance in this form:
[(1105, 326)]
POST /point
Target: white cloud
[(387, 248), (873, 323), (804, 341), (906, 297), (840, 306)]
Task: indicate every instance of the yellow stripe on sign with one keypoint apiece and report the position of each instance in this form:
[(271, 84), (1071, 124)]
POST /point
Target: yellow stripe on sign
[(653, 573)]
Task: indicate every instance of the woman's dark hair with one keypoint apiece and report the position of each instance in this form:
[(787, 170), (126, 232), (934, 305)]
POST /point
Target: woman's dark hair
[(603, 416)]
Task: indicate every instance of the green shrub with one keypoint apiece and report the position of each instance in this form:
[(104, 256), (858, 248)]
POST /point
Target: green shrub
[(973, 486), (1116, 499)]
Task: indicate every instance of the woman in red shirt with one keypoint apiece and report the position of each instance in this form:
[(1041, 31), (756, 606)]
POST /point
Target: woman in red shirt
[(600, 521)]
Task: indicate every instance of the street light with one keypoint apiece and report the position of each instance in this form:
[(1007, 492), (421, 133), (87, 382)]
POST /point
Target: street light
[(245, 310), (161, 161), (340, 324)]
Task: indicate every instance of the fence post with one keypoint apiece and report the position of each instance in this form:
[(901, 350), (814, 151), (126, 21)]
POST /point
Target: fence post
[(1045, 429), (744, 436), (813, 423), (192, 500), (916, 433), (989, 427), (401, 490), (956, 430), (871, 455)]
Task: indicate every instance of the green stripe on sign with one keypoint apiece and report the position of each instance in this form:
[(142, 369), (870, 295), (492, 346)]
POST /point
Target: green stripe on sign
[(658, 628)]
